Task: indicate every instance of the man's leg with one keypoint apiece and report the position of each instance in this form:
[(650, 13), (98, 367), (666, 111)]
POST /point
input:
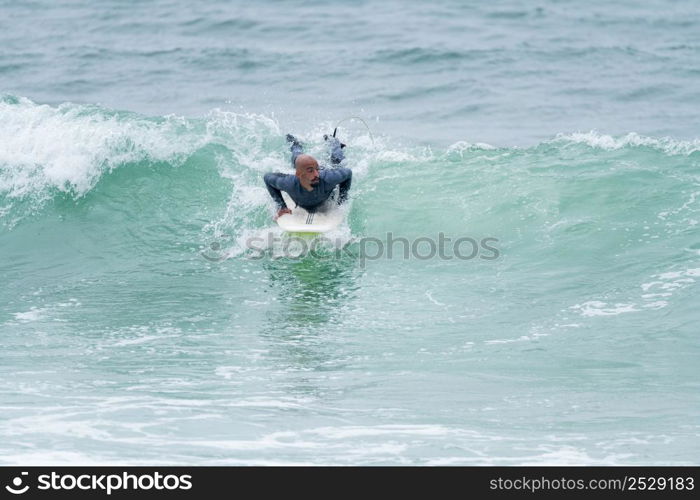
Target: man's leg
[(335, 149), (296, 148)]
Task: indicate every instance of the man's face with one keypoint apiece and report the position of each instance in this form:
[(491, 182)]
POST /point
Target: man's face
[(309, 174)]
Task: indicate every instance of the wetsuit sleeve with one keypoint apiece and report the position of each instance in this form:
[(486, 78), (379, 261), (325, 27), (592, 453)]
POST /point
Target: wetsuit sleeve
[(274, 183), (343, 189), (342, 177)]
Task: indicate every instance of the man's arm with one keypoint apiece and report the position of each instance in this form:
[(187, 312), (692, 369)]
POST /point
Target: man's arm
[(342, 177), (274, 184)]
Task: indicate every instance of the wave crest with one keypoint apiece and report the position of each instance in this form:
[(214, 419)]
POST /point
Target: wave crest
[(597, 140)]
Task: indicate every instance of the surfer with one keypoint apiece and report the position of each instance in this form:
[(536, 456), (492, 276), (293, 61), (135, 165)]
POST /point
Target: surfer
[(311, 185)]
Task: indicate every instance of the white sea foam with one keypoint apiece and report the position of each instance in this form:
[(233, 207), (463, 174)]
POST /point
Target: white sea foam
[(380, 430), (70, 146), (595, 139), (663, 286), (33, 314), (690, 202), (139, 340), (461, 146), (599, 308)]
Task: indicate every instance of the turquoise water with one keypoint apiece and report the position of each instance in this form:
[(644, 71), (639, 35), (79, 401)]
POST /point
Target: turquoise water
[(139, 326)]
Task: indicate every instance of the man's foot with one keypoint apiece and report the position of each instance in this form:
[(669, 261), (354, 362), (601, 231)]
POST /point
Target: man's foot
[(335, 149), (293, 140), (333, 139)]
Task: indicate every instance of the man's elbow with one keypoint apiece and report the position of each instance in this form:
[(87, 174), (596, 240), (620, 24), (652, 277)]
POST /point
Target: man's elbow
[(347, 178)]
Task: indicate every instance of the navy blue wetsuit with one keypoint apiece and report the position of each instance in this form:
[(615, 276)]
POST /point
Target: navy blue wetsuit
[(329, 178)]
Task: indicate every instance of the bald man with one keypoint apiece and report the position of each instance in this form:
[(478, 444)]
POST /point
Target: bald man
[(310, 186)]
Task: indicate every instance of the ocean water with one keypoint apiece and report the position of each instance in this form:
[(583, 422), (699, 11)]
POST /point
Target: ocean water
[(152, 313)]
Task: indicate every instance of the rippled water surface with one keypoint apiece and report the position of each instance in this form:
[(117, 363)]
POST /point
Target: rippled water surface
[(138, 326)]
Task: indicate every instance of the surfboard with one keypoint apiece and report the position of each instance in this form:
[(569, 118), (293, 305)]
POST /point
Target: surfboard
[(325, 218)]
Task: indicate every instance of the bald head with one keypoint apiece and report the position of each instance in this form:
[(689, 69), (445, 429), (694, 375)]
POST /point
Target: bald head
[(307, 171), (304, 161)]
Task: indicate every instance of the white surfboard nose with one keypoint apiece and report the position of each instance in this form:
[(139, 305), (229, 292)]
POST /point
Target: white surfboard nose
[(327, 217)]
